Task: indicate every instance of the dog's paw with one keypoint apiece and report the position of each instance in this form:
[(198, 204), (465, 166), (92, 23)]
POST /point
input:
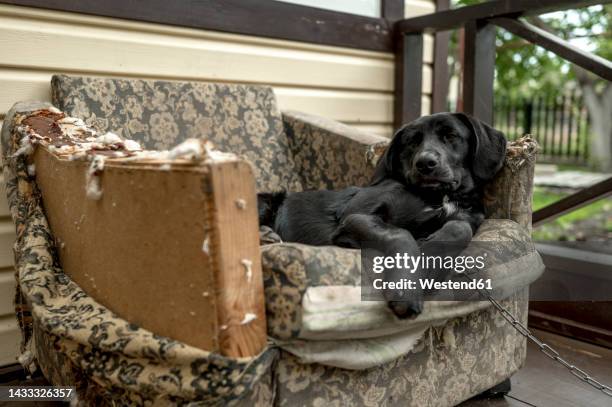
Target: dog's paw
[(406, 309)]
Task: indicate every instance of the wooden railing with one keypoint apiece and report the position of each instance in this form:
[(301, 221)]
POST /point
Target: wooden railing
[(479, 23), (559, 122)]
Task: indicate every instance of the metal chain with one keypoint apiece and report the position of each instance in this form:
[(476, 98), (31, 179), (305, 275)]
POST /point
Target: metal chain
[(545, 348), (548, 350)]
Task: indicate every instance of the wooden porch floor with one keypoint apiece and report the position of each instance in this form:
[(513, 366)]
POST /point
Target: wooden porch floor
[(543, 382)]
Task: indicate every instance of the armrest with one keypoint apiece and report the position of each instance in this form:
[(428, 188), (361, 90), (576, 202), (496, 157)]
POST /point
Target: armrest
[(330, 155), (509, 195), (167, 241)]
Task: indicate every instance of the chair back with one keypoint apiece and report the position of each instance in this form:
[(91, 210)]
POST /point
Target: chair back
[(242, 119)]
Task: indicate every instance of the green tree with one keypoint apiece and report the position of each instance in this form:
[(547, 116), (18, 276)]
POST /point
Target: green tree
[(525, 70)]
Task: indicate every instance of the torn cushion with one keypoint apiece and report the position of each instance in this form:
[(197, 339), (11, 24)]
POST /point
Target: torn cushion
[(243, 119), (75, 340)]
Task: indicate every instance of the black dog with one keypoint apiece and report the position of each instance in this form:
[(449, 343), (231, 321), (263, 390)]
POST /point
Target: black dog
[(427, 187)]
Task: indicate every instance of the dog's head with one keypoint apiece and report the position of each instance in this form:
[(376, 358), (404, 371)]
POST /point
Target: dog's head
[(443, 152)]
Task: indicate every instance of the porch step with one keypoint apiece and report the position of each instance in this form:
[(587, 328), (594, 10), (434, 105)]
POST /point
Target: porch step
[(567, 179)]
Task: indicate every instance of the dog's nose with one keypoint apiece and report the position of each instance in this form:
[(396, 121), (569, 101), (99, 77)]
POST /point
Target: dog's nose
[(426, 162)]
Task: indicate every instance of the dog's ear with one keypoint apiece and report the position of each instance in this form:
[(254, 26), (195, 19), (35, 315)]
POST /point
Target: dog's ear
[(388, 164), (488, 148)]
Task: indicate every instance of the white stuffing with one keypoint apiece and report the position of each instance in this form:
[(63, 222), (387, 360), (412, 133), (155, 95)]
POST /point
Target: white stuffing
[(26, 359), (131, 145), (32, 170), (77, 156), (215, 155), (205, 294), (206, 245), (248, 317), (241, 203), (76, 130), (190, 149), (108, 138), (75, 121), (248, 265), (25, 147), (79, 142), (92, 180)]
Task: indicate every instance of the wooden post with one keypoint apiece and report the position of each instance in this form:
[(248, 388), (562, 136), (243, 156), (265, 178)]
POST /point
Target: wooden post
[(440, 66), (527, 116), (479, 70), (408, 78), (392, 10), (461, 52)]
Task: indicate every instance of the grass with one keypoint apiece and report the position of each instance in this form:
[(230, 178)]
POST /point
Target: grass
[(566, 226)]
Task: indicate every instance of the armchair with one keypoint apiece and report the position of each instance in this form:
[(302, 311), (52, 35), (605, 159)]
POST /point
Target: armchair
[(323, 344)]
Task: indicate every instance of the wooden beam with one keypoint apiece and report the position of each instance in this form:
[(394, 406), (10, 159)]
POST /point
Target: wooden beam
[(572, 327), (440, 65), (392, 10), (273, 19), (573, 202), (591, 62), (479, 70), (408, 78), (451, 19)]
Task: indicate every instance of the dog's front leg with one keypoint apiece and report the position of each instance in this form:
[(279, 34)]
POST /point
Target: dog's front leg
[(370, 231), (450, 240), (458, 232)]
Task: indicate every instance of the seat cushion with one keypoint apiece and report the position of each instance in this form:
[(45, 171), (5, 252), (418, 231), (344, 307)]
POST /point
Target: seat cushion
[(315, 292), (242, 119)]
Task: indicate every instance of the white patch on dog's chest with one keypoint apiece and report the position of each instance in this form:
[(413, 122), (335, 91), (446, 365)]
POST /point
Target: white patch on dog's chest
[(449, 207)]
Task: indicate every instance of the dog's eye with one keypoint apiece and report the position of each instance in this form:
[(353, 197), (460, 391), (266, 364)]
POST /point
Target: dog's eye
[(414, 139), (449, 137)]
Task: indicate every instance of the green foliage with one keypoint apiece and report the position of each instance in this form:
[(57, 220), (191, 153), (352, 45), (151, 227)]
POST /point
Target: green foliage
[(524, 69), (567, 226)]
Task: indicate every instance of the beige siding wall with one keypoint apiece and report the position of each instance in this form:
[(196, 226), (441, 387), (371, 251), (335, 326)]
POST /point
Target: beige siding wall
[(355, 87)]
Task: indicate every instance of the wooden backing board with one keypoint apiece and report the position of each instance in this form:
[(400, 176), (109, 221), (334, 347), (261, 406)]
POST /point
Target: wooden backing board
[(140, 249)]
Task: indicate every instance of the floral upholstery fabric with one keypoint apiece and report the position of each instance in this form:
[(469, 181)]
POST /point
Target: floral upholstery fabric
[(240, 119), (330, 155), (290, 268), (451, 364), (508, 196), (78, 341)]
